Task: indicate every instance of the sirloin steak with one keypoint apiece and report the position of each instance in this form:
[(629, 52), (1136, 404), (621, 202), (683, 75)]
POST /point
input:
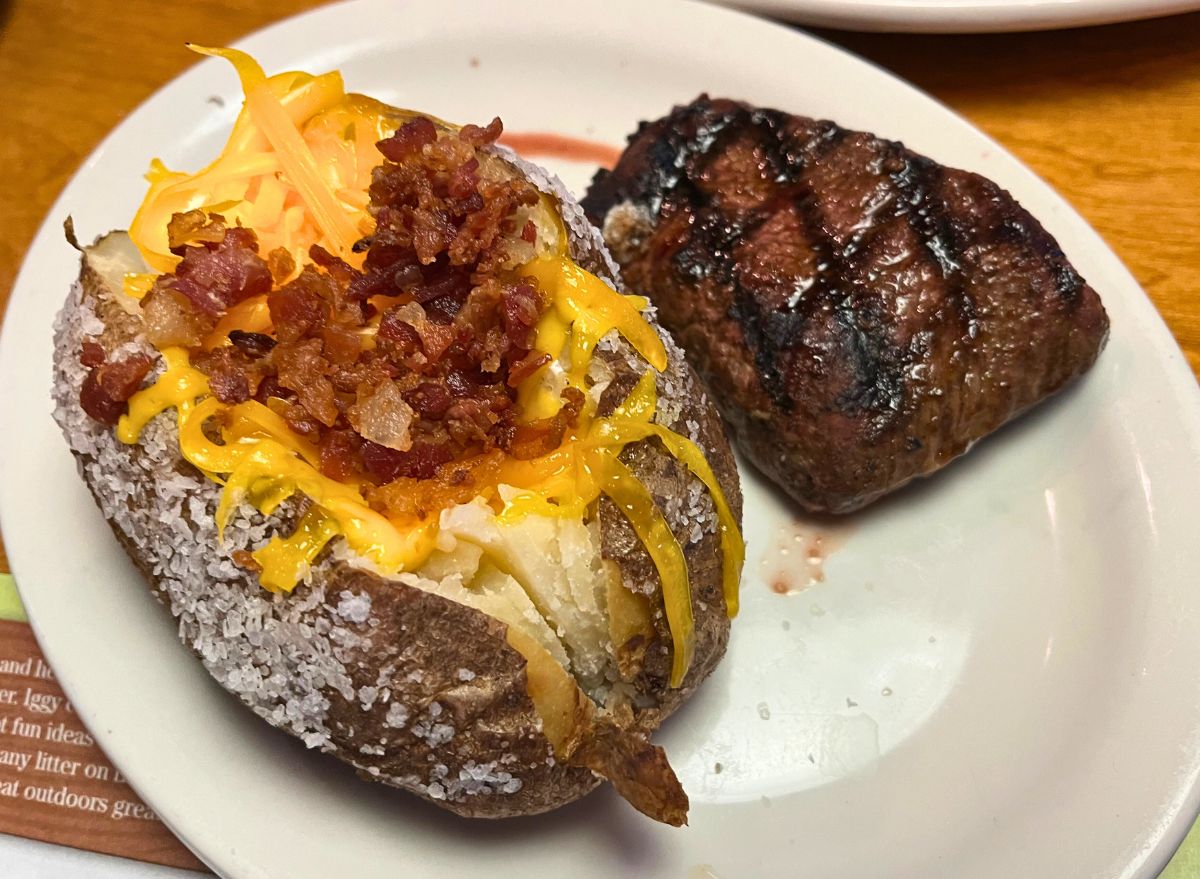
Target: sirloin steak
[(861, 313)]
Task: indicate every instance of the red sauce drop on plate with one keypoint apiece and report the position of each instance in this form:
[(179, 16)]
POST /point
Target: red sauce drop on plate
[(796, 559), (560, 146)]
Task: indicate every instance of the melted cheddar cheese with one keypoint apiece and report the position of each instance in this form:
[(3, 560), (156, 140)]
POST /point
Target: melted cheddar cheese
[(296, 170)]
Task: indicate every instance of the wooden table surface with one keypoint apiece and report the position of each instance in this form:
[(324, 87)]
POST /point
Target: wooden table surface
[(1110, 116)]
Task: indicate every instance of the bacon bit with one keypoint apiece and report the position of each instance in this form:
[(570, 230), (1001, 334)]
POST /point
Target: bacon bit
[(522, 310), (420, 462), (537, 439), (298, 419), (322, 257), (377, 282), (194, 227), (529, 232), (298, 309), (408, 139), (429, 400), (342, 344), (404, 320), (433, 231), (216, 276), (477, 137), (233, 376), (243, 558), (436, 338), (381, 463), (443, 282), (407, 276), (546, 434), (490, 349), (339, 270), (469, 421), (303, 370), (573, 400), (107, 387), (97, 404), (433, 485), (91, 354), (399, 337), (473, 202), (525, 367), (230, 386), (464, 180), (346, 379), (339, 451), (479, 311), (447, 154), (120, 379), (281, 264), (476, 241)]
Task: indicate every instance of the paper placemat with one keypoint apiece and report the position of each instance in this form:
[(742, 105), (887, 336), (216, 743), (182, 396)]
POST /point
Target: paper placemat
[(56, 785)]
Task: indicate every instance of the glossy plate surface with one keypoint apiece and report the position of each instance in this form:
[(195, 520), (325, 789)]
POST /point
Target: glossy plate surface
[(962, 16), (997, 676)]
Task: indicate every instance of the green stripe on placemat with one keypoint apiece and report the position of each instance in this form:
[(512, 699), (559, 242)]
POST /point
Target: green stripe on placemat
[(10, 602), (1186, 863)]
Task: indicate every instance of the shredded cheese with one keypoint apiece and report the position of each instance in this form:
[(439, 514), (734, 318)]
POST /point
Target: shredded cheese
[(287, 171)]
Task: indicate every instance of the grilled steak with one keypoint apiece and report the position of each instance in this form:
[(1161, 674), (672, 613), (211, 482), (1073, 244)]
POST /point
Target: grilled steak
[(861, 313)]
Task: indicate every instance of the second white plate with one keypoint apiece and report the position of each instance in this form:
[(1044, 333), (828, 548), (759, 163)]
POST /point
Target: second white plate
[(962, 16)]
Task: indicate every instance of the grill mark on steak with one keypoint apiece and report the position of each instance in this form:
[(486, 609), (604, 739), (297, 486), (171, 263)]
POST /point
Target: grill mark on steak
[(873, 357), (916, 179), (861, 313), (708, 253), (666, 165), (771, 334)]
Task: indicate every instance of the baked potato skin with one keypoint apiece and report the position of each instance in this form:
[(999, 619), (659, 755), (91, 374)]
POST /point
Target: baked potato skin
[(410, 688), (672, 487), (348, 657)]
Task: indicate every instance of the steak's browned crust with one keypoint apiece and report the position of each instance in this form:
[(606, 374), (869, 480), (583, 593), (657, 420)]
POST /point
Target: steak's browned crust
[(860, 313)]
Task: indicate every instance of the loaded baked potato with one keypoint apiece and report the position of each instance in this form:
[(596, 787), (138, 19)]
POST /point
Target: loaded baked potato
[(420, 487)]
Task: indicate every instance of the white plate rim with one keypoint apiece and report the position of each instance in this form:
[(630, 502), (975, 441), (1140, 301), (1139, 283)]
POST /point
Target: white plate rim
[(1182, 385), (963, 16)]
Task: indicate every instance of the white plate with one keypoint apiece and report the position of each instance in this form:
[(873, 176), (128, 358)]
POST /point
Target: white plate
[(962, 16), (997, 678)]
